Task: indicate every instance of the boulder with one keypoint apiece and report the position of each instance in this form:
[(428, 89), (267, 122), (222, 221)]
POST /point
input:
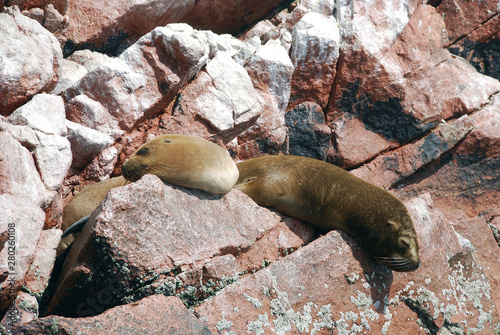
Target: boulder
[(152, 315), (30, 59), (185, 230), (21, 224), (332, 284)]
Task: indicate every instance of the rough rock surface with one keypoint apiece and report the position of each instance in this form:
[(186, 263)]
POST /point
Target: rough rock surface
[(405, 94), (184, 230), (164, 315), (30, 59), (21, 224)]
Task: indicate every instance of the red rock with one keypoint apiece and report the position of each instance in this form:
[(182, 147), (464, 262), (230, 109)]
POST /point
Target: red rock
[(333, 283), (388, 169), (462, 17), (21, 223), (152, 315), (87, 23), (30, 60), (465, 177), (314, 53), (354, 144)]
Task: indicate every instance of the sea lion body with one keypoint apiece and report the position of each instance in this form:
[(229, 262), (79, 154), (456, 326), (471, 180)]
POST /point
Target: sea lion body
[(184, 160), (84, 203), (332, 198)]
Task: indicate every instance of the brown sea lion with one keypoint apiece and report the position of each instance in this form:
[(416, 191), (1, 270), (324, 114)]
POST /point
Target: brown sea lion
[(330, 197)]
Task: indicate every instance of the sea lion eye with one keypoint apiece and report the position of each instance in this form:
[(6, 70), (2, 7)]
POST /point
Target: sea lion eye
[(404, 242), (142, 151), (167, 141)]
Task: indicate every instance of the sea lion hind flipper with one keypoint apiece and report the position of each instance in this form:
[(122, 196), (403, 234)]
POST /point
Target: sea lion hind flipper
[(76, 227)]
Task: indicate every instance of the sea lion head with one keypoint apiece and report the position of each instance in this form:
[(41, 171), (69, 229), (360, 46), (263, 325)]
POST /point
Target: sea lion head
[(395, 242), (184, 160)]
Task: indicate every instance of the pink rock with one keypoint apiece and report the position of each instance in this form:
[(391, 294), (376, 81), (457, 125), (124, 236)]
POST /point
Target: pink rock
[(354, 144), (21, 223), (332, 283), (225, 97), (152, 315), (409, 89), (23, 310), (38, 276), (18, 174), (141, 82), (184, 228), (30, 60)]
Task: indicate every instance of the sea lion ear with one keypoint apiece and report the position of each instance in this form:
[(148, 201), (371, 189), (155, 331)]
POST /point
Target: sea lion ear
[(392, 224)]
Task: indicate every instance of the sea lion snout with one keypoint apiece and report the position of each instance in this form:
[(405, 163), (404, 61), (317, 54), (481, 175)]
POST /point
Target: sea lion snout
[(132, 171)]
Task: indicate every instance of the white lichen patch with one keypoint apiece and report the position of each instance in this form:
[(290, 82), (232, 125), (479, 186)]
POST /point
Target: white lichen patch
[(457, 309)]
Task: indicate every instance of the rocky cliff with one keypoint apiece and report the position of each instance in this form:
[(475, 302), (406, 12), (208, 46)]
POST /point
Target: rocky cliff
[(403, 94)]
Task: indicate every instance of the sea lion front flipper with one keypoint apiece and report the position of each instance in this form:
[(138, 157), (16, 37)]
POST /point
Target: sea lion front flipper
[(76, 227)]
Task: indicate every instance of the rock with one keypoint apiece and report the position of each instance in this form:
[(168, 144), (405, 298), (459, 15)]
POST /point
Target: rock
[(164, 315), (86, 143), (388, 169), (53, 158), (89, 113), (308, 135), (410, 92), (333, 283), (89, 59), (38, 276), (44, 113), (53, 20), (270, 70), (143, 80), (480, 47), (224, 96), (314, 53), (199, 226), (24, 180), (87, 25), (355, 144), (30, 60), (36, 14), (21, 223), (70, 73), (462, 17), (23, 310), (469, 169)]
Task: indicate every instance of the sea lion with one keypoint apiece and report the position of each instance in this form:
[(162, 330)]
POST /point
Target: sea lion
[(83, 204), (330, 197), (184, 160)]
